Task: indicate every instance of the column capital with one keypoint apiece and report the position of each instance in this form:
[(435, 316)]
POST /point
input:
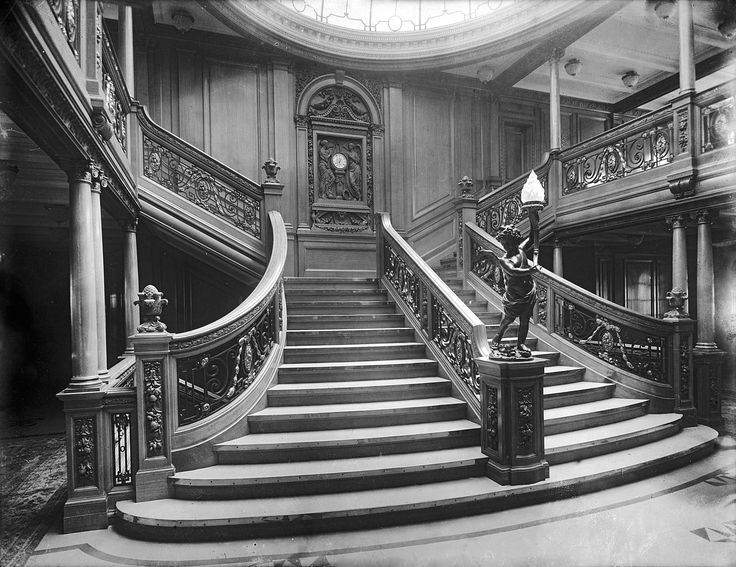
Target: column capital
[(82, 170), (131, 224), (557, 53), (676, 221), (705, 216)]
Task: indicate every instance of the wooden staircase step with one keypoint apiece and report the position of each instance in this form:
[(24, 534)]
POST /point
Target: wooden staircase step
[(593, 441), (576, 393), (556, 375), (306, 294), (211, 520), (295, 446), (225, 482), (293, 284), (345, 353), (356, 370), (358, 391), (341, 416), (591, 414), (340, 307), (349, 336), (345, 321)]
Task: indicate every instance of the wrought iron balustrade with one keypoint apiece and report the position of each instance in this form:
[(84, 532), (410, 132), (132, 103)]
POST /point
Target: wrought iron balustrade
[(634, 147), (187, 171), (117, 100), (503, 206), (638, 344), (456, 332), (66, 13), (209, 380)]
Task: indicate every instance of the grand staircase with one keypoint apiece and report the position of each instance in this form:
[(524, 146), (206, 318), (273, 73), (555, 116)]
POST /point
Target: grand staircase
[(361, 430)]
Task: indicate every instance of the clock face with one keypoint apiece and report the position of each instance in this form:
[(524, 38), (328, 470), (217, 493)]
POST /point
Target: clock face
[(339, 161)]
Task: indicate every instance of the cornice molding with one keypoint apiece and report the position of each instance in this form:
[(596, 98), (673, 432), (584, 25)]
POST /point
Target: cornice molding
[(507, 31)]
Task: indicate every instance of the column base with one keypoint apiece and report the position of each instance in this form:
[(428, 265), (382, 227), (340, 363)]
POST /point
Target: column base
[(88, 512), (85, 383), (153, 484), (520, 474)]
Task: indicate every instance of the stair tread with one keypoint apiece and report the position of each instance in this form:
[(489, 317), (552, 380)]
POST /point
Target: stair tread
[(601, 433), (173, 512), (357, 407), (300, 386), (351, 330), (355, 346), (349, 364), (276, 472), (298, 439), (576, 387), (560, 369), (591, 407)]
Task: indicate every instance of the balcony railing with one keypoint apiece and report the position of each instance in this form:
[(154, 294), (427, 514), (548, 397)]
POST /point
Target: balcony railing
[(117, 99), (631, 148), (718, 121)]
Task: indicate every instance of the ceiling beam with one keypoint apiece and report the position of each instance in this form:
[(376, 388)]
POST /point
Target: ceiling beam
[(671, 83), (561, 38), (625, 56)]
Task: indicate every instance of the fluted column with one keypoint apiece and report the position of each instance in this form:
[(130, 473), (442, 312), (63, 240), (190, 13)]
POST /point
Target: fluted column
[(687, 51), (82, 279), (555, 134), (678, 223), (557, 258), (706, 295), (130, 281), (99, 294)]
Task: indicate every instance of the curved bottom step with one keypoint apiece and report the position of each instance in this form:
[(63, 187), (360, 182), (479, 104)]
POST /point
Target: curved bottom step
[(211, 520)]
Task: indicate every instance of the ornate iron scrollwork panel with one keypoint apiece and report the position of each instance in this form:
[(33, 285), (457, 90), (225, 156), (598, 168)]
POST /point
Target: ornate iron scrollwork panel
[(454, 344), (210, 381), (629, 155), (200, 187), (719, 125), (122, 454), (488, 268), (621, 346)]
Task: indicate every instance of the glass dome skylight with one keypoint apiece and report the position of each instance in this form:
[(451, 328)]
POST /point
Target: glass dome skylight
[(394, 15)]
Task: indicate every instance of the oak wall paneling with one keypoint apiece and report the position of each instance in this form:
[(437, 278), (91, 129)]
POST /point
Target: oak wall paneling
[(191, 98)]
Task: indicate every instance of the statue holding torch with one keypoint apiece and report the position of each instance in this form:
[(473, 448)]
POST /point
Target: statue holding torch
[(521, 293)]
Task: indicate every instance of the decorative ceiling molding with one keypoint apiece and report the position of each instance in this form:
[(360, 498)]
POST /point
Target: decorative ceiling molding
[(507, 31)]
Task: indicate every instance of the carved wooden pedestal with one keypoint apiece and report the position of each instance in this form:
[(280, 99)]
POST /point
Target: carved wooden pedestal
[(707, 364), (513, 420), (86, 504), (156, 415)]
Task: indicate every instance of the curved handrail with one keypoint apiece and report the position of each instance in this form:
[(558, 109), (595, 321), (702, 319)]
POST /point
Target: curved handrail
[(184, 169), (218, 361), (639, 344), (503, 206), (441, 315), (219, 330)]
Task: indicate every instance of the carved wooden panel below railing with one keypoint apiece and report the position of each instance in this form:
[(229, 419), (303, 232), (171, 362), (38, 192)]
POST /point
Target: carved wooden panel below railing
[(66, 13), (211, 379), (182, 177), (618, 155)]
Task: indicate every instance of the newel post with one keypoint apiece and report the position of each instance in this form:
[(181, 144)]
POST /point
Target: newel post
[(512, 412), (155, 374), (680, 364), (466, 206)]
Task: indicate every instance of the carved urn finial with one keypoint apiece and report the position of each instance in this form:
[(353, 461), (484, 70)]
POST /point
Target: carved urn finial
[(466, 186), (151, 303), (271, 167), (676, 300)]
